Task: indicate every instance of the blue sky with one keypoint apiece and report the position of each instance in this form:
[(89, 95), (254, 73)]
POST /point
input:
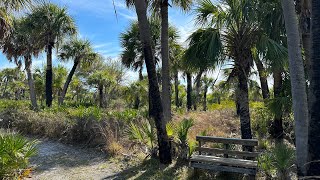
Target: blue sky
[(96, 21)]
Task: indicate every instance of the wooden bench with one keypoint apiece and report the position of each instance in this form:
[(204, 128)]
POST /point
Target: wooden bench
[(225, 159)]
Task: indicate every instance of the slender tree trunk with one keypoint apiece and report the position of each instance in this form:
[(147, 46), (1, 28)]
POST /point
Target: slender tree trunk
[(176, 89), (205, 97), (33, 98), (276, 129), (101, 98), (189, 91), (166, 94), (263, 79), (144, 28), (298, 85), (197, 90), (49, 77), (68, 81), (314, 128)]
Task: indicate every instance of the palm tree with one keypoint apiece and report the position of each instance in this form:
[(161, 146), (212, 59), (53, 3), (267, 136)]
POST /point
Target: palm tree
[(7, 8), (144, 29), (314, 149), (298, 85), (81, 52), (101, 79), (166, 85), (52, 24), (21, 43)]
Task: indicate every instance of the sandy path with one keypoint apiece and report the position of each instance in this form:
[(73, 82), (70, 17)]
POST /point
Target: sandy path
[(59, 161)]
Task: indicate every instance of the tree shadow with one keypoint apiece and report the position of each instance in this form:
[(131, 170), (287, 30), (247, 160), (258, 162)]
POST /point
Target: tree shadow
[(152, 169)]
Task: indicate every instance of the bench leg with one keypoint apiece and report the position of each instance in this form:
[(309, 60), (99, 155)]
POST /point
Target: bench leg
[(251, 177), (196, 173)]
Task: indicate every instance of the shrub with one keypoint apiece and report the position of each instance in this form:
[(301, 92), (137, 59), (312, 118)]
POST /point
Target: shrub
[(279, 159), (183, 128), (261, 120), (144, 133), (15, 152)]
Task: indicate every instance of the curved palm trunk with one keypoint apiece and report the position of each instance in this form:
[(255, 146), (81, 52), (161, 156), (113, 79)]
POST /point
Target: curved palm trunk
[(157, 111), (314, 128), (49, 77), (189, 91), (298, 85), (263, 79), (33, 98), (68, 81), (176, 89), (166, 94), (276, 129)]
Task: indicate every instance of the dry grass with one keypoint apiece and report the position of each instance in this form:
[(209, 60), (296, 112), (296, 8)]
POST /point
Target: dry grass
[(221, 123)]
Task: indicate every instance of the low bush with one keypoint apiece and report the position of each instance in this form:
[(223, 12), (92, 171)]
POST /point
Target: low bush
[(277, 161), (15, 152)]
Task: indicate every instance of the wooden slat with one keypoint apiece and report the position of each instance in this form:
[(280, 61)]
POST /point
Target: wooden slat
[(230, 152), (246, 142), (224, 168), (224, 161)]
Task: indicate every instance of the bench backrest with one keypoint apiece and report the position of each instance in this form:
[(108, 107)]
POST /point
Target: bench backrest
[(226, 151)]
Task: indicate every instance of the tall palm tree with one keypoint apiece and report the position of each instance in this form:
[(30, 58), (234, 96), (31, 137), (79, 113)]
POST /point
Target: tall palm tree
[(314, 149), (144, 29), (21, 44), (298, 85), (52, 25), (166, 85), (81, 52), (235, 19)]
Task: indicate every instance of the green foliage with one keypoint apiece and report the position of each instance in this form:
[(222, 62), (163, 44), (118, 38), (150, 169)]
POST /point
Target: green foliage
[(15, 152), (223, 105), (192, 146), (279, 159), (261, 120), (143, 132), (183, 128)]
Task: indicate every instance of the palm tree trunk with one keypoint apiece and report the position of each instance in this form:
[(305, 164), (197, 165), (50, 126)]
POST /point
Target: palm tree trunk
[(49, 77), (243, 102), (68, 81), (205, 97), (276, 129), (33, 98), (189, 91), (263, 79), (314, 127), (166, 94), (197, 90), (157, 111), (101, 101), (176, 89), (305, 27), (298, 84)]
